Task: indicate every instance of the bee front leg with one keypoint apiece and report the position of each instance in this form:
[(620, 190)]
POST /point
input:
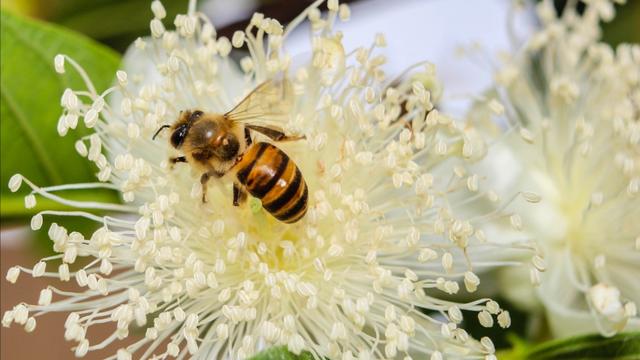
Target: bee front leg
[(204, 179), (178, 159), (239, 195)]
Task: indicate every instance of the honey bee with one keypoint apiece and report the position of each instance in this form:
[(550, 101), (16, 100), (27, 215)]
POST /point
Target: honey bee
[(220, 144)]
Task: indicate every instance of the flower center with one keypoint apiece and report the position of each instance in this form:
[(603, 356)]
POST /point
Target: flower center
[(571, 196), (573, 208), (269, 238)]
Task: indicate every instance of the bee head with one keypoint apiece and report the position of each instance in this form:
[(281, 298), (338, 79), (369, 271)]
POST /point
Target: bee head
[(181, 128)]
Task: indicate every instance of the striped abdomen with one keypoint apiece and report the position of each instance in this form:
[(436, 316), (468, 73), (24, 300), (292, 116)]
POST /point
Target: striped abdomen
[(268, 174)]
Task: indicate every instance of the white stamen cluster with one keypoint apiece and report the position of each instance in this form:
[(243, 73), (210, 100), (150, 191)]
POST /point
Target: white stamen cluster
[(572, 107), (387, 230)]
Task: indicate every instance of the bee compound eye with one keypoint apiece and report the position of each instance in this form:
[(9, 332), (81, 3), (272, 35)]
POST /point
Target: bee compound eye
[(177, 138)]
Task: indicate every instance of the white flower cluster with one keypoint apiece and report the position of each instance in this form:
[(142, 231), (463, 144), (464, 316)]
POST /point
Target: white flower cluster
[(388, 228), (572, 134)]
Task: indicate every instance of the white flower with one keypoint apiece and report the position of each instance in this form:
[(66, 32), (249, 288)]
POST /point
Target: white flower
[(387, 189), (572, 135)]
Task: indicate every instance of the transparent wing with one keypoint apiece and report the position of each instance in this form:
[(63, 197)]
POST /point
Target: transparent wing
[(269, 102)]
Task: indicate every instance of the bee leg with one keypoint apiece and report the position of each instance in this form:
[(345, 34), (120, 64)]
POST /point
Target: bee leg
[(247, 136), (274, 134), (204, 179), (178, 159), (239, 195)]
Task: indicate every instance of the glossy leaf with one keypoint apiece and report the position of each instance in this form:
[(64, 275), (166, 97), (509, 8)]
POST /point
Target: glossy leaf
[(30, 105), (624, 346), (116, 23), (281, 353)]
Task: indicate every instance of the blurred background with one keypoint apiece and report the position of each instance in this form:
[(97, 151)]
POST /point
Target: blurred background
[(416, 30)]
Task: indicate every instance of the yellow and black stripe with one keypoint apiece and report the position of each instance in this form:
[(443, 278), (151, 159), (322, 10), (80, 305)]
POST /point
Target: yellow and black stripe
[(269, 175)]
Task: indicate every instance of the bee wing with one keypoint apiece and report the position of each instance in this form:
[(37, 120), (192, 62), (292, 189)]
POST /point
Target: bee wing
[(268, 102)]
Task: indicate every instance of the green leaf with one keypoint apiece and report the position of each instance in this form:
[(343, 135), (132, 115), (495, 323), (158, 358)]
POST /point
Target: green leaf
[(518, 350), (117, 15), (30, 106), (281, 353), (108, 21), (624, 346), (625, 28)]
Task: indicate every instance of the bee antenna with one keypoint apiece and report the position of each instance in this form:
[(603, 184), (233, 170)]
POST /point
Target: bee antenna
[(159, 130)]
